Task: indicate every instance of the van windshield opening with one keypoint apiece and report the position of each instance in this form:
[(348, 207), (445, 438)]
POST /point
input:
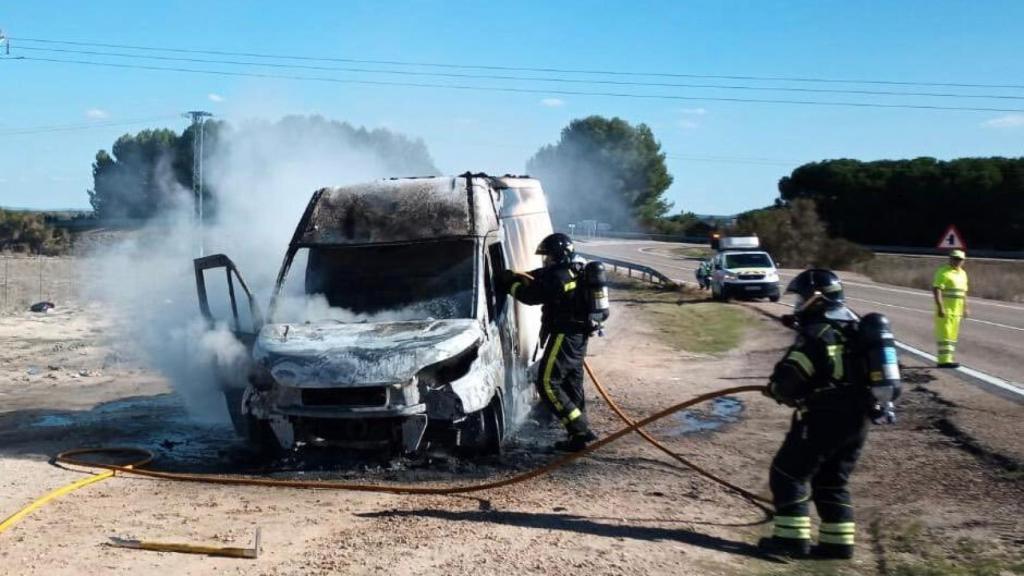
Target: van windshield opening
[(755, 260), (425, 280)]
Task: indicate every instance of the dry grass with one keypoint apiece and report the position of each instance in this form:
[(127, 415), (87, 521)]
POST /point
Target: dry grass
[(682, 318), (25, 280), (999, 280)]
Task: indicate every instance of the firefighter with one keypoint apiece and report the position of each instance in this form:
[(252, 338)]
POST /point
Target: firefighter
[(566, 325), (950, 291), (829, 375)]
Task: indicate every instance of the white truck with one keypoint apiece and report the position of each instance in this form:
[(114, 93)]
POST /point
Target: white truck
[(393, 336), (741, 270)]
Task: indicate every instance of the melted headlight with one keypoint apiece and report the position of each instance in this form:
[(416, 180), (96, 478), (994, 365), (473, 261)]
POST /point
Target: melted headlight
[(442, 373)]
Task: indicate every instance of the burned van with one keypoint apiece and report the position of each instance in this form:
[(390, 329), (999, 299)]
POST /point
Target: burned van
[(385, 330)]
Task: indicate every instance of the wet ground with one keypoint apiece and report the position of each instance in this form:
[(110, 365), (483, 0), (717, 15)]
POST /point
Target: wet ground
[(162, 425), (720, 412)]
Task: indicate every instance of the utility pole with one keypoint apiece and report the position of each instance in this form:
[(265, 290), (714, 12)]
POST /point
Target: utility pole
[(198, 122)]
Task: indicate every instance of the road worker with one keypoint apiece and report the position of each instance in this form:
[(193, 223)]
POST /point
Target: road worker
[(950, 291), (841, 371), (564, 289), (704, 274)]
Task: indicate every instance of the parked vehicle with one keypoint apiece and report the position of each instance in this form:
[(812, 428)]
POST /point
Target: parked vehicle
[(393, 337), (741, 270)]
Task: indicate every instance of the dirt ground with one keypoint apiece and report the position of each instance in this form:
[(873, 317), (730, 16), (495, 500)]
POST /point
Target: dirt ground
[(939, 493)]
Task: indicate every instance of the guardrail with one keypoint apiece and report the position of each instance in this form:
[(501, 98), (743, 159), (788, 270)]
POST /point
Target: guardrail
[(917, 251), (897, 250), (645, 236), (644, 273)]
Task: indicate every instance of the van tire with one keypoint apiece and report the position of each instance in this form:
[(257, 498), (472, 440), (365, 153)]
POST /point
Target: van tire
[(262, 439), (485, 431), (233, 403), (257, 433)]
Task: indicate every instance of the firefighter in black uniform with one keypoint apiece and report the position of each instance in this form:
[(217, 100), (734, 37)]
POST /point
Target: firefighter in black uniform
[(565, 328), (829, 375)]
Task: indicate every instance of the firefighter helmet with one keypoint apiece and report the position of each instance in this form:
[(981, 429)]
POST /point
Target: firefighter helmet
[(556, 248), (817, 290)]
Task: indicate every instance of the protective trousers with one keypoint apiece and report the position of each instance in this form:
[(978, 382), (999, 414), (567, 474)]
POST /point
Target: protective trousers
[(822, 447), (947, 329), (560, 381)]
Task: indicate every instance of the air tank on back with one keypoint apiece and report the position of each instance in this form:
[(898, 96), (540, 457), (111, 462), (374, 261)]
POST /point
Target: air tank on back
[(883, 364), (596, 285)]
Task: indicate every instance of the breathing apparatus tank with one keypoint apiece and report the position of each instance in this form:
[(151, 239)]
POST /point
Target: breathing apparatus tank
[(595, 286), (883, 370)]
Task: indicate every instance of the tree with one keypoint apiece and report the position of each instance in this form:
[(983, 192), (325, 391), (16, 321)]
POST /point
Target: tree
[(27, 231), (136, 179), (147, 173), (795, 235), (910, 202), (606, 170)]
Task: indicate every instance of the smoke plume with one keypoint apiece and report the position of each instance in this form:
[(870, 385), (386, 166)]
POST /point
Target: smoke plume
[(262, 175)]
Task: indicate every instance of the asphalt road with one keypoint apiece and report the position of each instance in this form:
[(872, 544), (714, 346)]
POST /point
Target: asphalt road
[(991, 340)]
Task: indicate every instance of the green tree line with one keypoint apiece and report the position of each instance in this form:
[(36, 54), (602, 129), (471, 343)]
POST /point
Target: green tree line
[(29, 232), (911, 202), (146, 173)]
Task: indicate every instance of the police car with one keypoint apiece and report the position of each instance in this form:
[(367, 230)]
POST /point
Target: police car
[(741, 270)]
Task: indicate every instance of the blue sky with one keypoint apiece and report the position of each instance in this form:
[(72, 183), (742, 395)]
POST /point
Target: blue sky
[(725, 156)]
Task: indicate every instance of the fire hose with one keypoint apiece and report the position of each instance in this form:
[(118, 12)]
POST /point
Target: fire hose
[(80, 457)]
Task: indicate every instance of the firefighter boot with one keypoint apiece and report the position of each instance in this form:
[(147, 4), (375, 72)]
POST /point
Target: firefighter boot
[(576, 442), (830, 551), (578, 428), (785, 547)]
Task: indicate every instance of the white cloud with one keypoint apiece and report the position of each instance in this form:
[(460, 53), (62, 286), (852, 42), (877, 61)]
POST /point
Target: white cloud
[(97, 114), (215, 97), (687, 124), (694, 111), (553, 102), (1008, 121)]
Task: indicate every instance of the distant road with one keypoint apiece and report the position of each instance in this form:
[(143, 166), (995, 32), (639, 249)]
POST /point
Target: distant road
[(991, 340)]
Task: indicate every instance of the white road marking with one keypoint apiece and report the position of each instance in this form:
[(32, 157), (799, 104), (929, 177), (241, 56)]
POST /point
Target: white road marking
[(1007, 386), (929, 312), (1011, 387), (909, 292)]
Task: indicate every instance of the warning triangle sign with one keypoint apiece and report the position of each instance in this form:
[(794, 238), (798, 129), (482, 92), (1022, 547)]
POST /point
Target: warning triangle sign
[(951, 239)]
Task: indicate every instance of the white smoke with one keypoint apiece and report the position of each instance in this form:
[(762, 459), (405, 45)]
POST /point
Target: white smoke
[(264, 175)]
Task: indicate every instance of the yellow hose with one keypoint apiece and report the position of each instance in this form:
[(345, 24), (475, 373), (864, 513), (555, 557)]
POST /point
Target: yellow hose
[(754, 498), (73, 457), (40, 502), (69, 457)]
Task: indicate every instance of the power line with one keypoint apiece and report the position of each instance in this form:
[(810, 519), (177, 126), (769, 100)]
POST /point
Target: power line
[(803, 79), (733, 160), (82, 126), (506, 89), (524, 78)]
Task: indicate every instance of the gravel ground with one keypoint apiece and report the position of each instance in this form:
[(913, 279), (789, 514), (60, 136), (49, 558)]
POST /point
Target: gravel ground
[(942, 490)]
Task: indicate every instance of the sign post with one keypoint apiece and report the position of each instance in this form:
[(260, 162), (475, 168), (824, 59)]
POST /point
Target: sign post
[(951, 240)]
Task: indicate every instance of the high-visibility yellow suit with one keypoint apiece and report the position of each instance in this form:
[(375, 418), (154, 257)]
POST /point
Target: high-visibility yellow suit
[(952, 283)]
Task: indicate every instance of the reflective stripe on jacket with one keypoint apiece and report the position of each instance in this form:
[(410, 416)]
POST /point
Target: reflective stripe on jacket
[(952, 284)]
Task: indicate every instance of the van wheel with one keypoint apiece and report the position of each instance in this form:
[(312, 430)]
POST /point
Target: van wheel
[(775, 298), (482, 432), (257, 433), (233, 402), (262, 439)]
